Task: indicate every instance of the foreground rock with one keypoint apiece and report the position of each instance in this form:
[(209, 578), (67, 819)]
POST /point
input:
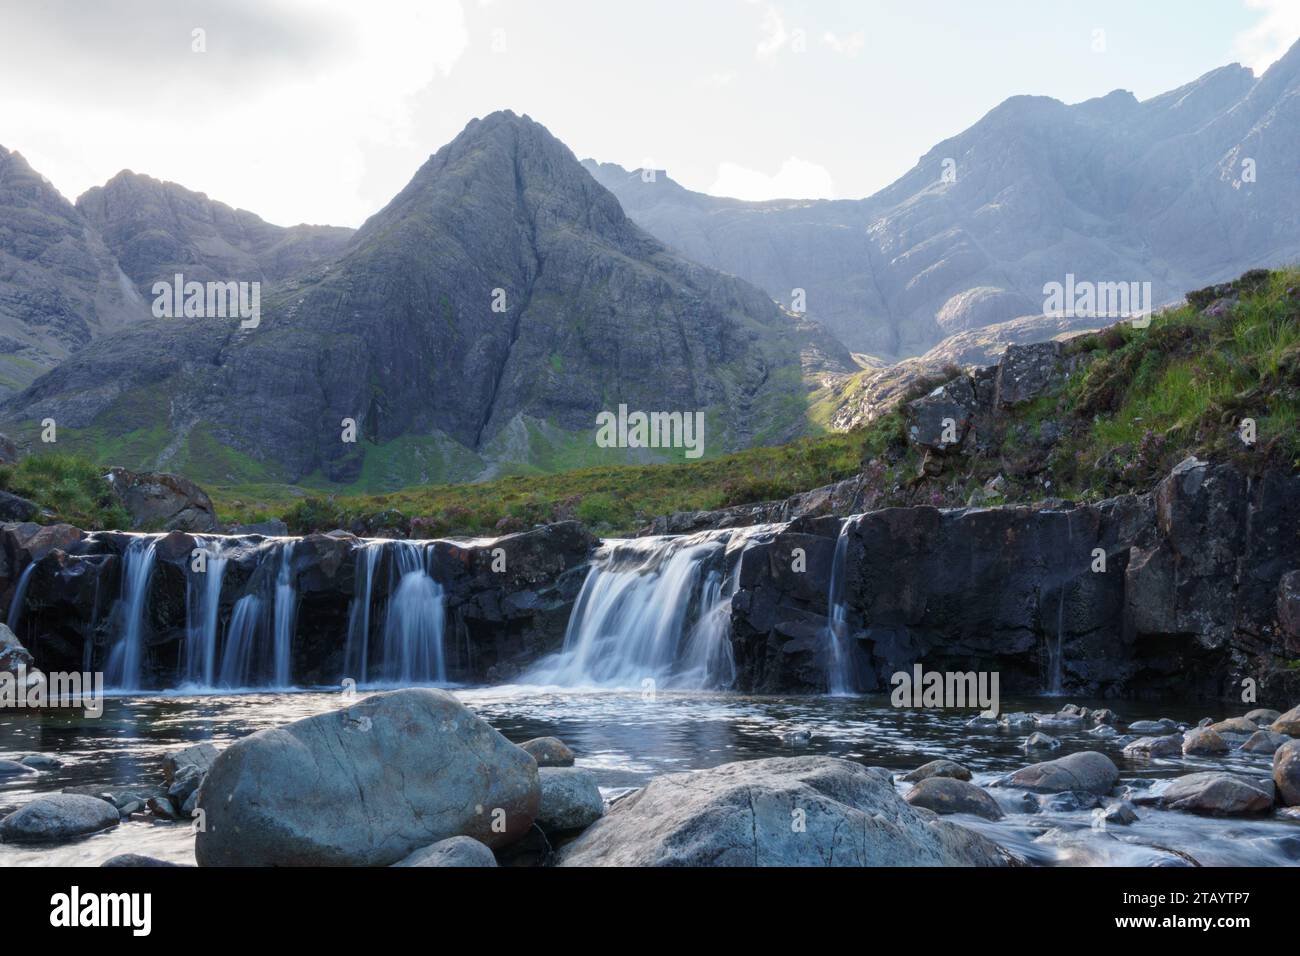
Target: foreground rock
[(570, 799), (949, 795), (1204, 741), (454, 851), (1086, 772), (781, 811), (1264, 742), (1286, 773), (1288, 723), (138, 860), (161, 501), (366, 786), (937, 768), (549, 751), (56, 817), (1218, 794)]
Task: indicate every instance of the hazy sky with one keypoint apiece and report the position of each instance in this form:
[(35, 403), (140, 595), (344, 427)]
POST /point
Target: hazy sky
[(321, 110)]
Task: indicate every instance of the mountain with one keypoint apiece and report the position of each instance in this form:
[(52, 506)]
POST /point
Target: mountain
[(60, 286), (1110, 190), (158, 229), (399, 334)]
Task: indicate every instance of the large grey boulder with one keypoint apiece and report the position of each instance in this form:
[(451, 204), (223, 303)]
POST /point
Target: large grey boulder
[(1286, 773), (1288, 723), (1086, 772), (949, 795), (366, 785), (1235, 725), (781, 811), (197, 758), (570, 799), (1264, 742), (1204, 741), (453, 851), (162, 501), (1218, 794), (56, 817)]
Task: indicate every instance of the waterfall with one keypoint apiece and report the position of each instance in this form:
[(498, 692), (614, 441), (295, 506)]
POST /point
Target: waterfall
[(842, 659), (286, 615), (356, 656), (240, 655), (20, 595), (125, 660), (202, 616), (1056, 644), (630, 621), (414, 621)]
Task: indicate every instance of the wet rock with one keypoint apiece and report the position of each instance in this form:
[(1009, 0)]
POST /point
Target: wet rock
[(570, 799), (181, 763), (1120, 813), (57, 817), (1286, 773), (949, 795), (366, 785), (1218, 794), (1162, 726), (782, 811), (162, 808), (13, 656), (1069, 801), (937, 768), (138, 860), (1017, 721), (41, 762), (1263, 716), (1167, 746), (1104, 730), (454, 851), (1104, 716), (1264, 742), (1039, 741), (796, 738), (1235, 725), (1086, 771), (13, 768), (1288, 723), (157, 500), (549, 751), (1204, 741), (982, 723), (1288, 604), (1205, 722)]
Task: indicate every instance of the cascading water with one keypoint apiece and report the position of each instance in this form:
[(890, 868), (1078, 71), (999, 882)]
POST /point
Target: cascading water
[(239, 659), (841, 657), (20, 595), (123, 669), (1056, 644), (286, 616), (356, 656), (413, 625), (630, 621), (203, 616)]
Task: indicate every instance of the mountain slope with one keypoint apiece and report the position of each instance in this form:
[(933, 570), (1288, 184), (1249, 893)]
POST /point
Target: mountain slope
[(400, 335), (60, 287), (1111, 190)]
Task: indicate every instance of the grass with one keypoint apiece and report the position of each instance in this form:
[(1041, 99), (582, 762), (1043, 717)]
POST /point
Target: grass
[(71, 487)]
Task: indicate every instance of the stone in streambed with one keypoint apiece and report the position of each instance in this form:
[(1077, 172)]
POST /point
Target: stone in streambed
[(56, 817), (12, 768), (1286, 772), (1162, 726), (366, 785), (1040, 741), (1288, 723), (1235, 725), (454, 851), (1264, 742), (1167, 746), (949, 795), (179, 763), (1120, 813), (1263, 716), (1218, 794), (1086, 772), (1204, 741), (937, 768), (779, 811), (570, 799), (549, 751), (41, 762), (139, 860)]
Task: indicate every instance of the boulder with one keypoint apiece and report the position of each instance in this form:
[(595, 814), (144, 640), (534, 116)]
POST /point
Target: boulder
[(1263, 716), (1218, 794), (1235, 725), (161, 501), (1286, 773), (15, 768), (13, 656), (15, 508), (1040, 741), (41, 762), (1025, 372), (366, 785), (1203, 741), (1162, 726), (1086, 772), (56, 817), (453, 851), (780, 811), (549, 751), (1104, 716), (570, 799), (181, 763), (948, 795), (1288, 723), (1120, 813), (138, 860), (1264, 742), (937, 768), (1166, 746), (939, 421)]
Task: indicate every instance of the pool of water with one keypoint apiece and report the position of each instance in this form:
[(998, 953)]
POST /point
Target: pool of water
[(627, 739)]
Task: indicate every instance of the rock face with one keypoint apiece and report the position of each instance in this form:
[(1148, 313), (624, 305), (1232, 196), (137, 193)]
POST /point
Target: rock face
[(471, 317), (454, 851), (1085, 772), (366, 786), (56, 817), (570, 799), (949, 795), (1218, 794), (783, 811), (932, 254), (160, 501)]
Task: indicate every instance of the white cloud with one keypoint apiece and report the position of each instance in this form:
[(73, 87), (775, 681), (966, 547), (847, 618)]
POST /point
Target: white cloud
[(717, 80), (796, 179), (775, 36), (1265, 42), (849, 45)]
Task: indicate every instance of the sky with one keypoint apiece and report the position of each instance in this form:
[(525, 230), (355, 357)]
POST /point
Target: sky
[(321, 110)]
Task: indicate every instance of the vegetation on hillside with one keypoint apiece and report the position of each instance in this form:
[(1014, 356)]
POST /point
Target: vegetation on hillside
[(71, 488)]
